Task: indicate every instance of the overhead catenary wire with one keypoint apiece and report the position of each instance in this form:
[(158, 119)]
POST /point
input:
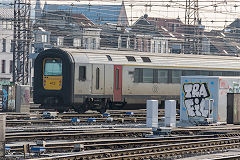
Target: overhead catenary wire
[(211, 23)]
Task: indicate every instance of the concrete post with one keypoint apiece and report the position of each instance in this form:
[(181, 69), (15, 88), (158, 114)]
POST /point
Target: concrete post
[(2, 135), (170, 113), (23, 98), (152, 113)]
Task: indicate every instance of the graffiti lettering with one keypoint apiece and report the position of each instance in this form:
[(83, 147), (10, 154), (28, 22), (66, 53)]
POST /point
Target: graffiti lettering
[(4, 99), (194, 99)]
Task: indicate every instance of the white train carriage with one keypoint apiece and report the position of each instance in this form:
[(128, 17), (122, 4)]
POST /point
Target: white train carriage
[(105, 79)]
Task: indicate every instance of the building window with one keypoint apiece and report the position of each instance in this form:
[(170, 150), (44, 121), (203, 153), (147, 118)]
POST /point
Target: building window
[(94, 43), (4, 24), (7, 25), (3, 66), (148, 41), (77, 42), (60, 41), (153, 46), (44, 38), (12, 46), (11, 67), (3, 45), (86, 43), (159, 48)]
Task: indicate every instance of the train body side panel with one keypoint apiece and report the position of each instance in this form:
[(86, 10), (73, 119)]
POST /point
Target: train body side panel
[(82, 87), (108, 80), (140, 92)]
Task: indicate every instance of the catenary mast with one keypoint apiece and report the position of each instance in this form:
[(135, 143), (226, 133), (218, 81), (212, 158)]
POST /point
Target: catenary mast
[(21, 41), (192, 28)]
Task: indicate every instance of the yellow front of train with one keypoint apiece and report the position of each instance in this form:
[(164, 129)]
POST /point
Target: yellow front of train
[(52, 74)]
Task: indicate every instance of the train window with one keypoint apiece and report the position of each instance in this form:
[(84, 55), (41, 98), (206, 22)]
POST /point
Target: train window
[(237, 73), (228, 73), (131, 58), (97, 77), (117, 79), (216, 73), (146, 59), (138, 74), (190, 72), (147, 75), (204, 73), (163, 76), (53, 67), (109, 57), (176, 76), (82, 73)]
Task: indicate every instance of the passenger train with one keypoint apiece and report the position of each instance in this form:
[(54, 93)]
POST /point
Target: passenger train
[(66, 78)]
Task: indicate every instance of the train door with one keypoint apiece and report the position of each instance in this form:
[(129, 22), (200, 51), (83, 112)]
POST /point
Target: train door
[(98, 79), (117, 86)]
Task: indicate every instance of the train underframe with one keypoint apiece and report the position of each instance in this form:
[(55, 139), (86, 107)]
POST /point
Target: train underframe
[(98, 104)]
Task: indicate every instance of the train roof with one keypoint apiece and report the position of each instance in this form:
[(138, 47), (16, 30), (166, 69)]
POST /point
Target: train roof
[(154, 59)]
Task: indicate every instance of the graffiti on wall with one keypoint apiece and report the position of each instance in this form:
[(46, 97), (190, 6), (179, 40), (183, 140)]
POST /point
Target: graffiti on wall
[(234, 88), (8, 98), (5, 98), (25, 95), (195, 95)]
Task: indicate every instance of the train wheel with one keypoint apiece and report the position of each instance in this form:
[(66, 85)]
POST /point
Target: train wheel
[(102, 105), (81, 109), (118, 105), (108, 104), (102, 110)]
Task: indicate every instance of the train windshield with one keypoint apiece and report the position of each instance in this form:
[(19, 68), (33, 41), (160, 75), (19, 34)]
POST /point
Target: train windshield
[(53, 67)]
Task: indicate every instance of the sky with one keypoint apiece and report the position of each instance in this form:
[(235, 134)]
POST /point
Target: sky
[(214, 14)]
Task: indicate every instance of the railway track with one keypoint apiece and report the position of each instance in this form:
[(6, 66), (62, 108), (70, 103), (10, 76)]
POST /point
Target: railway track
[(122, 138), (76, 134), (113, 117), (68, 146), (161, 151)]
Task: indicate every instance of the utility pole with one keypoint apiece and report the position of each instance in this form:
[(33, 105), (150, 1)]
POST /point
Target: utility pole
[(192, 28), (21, 41)]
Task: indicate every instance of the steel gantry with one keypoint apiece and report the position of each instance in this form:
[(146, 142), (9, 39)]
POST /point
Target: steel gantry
[(193, 28), (21, 41)]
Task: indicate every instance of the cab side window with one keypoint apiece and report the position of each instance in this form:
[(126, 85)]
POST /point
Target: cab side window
[(82, 73)]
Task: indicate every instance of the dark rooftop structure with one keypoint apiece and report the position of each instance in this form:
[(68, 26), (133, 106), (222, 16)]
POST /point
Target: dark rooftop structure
[(98, 14)]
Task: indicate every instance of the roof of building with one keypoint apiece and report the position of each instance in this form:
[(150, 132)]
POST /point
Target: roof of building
[(143, 26), (235, 23), (6, 13), (98, 14), (82, 20)]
